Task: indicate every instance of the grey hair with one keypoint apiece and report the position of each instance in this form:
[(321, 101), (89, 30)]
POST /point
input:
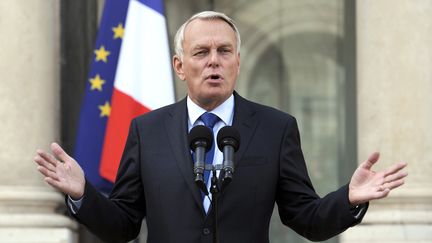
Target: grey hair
[(206, 15)]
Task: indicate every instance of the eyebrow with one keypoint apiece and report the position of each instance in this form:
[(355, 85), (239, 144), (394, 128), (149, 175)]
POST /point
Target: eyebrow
[(204, 46)]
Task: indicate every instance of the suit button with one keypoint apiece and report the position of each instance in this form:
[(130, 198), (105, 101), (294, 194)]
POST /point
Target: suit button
[(206, 231)]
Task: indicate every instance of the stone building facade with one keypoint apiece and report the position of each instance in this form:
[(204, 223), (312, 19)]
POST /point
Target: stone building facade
[(356, 74)]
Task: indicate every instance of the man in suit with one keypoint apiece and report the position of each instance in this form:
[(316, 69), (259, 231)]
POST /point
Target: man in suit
[(155, 179)]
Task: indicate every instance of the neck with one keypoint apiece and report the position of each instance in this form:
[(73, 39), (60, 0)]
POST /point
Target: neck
[(209, 104)]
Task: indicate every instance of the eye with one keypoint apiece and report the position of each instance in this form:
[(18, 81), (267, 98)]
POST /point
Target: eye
[(225, 50), (200, 53)]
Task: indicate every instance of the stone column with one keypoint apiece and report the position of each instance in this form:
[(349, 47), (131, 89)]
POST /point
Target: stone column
[(394, 50), (30, 211)]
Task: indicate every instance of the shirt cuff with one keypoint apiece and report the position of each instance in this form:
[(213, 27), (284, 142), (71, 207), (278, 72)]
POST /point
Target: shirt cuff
[(74, 205), (359, 210)]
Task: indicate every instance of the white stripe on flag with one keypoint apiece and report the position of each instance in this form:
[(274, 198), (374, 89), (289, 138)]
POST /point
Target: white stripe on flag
[(144, 67)]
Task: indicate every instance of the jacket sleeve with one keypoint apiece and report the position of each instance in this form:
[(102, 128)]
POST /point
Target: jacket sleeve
[(300, 208), (117, 218)]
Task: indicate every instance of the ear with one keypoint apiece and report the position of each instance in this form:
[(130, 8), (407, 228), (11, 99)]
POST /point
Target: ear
[(238, 64), (178, 67)]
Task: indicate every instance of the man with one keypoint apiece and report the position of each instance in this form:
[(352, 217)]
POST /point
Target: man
[(155, 177)]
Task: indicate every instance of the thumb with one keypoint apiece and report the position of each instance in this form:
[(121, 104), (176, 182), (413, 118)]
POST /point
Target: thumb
[(373, 158), (59, 152)]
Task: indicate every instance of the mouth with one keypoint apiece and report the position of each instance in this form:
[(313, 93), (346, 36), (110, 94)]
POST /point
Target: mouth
[(214, 78)]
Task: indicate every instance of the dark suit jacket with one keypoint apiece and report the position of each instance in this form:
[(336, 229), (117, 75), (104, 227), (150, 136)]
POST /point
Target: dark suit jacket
[(155, 182)]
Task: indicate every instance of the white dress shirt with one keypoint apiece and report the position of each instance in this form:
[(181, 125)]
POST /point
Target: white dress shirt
[(225, 112)]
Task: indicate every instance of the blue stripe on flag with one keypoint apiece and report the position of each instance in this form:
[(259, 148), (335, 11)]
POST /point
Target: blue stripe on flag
[(91, 126), (156, 5)]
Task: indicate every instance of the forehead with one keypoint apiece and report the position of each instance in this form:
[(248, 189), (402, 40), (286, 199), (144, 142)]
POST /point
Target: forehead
[(201, 31)]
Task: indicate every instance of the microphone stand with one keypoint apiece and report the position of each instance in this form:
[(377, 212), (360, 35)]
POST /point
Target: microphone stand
[(228, 142), (214, 189)]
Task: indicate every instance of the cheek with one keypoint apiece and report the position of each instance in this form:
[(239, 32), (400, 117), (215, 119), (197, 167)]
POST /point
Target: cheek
[(234, 71), (193, 71), (193, 84)]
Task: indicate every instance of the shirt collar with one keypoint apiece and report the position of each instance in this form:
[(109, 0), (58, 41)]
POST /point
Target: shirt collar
[(224, 111)]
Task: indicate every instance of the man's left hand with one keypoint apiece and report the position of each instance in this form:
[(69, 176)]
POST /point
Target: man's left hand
[(366, 184)]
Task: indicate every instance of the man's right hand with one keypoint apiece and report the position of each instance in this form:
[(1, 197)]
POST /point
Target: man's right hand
[(61, 171)]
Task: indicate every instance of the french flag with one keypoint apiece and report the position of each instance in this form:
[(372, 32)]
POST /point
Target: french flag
[(142, 81)]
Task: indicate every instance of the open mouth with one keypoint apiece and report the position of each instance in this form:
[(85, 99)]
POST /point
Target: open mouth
[(214, 77)]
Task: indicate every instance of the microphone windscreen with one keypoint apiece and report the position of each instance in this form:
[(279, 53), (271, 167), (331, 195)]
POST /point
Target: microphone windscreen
[(228, 135), (201, 134)]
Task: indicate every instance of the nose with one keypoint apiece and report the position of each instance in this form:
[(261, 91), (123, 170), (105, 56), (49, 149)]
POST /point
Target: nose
[(213, 59)]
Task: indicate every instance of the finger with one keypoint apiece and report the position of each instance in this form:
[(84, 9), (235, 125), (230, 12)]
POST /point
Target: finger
[(47, 157), (59, 152), (394, 177), (40, 161), (373, 158), (394, 184), (382, 193), (43, 170), (395, 168), (47, 173), (53, 183)]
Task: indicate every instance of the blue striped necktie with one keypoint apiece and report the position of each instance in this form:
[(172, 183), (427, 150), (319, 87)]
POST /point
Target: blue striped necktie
[(209, 120)]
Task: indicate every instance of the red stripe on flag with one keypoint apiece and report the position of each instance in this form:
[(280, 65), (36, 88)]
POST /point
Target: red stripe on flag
[(123, 109)]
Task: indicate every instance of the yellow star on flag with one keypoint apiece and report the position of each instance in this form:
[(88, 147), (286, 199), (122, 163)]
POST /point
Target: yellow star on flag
[(96, 83), (105, 109), (101, 54), (118, 31)]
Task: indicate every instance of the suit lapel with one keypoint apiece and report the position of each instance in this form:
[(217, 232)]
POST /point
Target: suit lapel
[(176, 127), (245, 122)]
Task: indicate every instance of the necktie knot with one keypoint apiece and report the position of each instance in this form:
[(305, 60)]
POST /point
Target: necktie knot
[(209, 119)]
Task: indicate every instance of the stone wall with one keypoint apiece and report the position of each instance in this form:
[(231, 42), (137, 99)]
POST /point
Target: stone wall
[(30, 211), (394, 114)]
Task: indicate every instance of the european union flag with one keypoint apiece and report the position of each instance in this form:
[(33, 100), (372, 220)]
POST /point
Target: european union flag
[(96, 105), (119, 88)]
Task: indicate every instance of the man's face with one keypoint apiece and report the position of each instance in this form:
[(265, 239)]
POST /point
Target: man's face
[(210, 63)]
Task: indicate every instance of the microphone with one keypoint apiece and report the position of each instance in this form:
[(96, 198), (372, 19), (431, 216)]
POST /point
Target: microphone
[(200, 140), (228, 140)]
